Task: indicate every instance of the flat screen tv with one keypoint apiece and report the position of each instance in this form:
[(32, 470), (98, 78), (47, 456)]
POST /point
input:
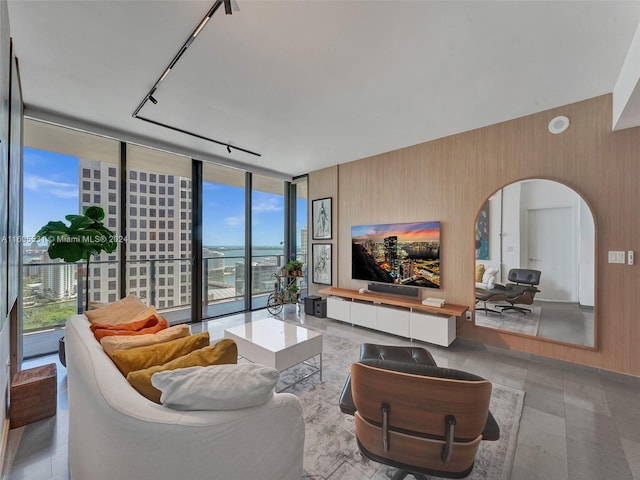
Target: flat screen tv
[(400, 253)]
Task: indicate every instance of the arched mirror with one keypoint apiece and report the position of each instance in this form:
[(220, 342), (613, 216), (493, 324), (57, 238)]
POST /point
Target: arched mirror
[(535, 263)]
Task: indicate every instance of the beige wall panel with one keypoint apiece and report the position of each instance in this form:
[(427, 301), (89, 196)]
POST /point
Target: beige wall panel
[(450, 178)]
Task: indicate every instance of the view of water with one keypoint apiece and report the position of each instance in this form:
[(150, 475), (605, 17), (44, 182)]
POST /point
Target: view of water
[(233, 253)]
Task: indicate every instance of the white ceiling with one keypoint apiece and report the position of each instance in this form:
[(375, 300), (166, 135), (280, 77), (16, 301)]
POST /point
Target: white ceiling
[(310, 84)]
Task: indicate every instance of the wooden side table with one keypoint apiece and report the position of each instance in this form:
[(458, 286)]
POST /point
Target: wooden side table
[(34, 395)]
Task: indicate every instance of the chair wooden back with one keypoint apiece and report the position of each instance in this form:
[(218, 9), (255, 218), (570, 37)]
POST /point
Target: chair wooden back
[(418, 406)]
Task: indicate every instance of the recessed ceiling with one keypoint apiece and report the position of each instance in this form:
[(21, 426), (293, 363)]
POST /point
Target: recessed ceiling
[(316, 83)]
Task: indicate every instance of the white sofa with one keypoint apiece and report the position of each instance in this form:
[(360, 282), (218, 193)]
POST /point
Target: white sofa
[(116, 433)]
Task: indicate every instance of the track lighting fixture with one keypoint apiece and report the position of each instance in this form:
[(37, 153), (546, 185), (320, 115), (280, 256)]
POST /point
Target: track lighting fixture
[(229, 6), (201, 26)]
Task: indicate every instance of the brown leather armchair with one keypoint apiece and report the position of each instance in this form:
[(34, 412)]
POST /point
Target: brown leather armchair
[(413, 415)]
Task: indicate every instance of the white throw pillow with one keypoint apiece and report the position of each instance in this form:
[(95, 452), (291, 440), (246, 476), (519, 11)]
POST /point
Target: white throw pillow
[(490, 274), (216, 387)]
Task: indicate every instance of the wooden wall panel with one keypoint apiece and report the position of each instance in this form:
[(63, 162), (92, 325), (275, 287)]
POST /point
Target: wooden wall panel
[(449, 179), (322, 184)]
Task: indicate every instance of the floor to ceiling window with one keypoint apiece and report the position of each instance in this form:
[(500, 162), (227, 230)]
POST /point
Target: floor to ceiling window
[(65, 171), (300, 229), (223, 239), (158, 228), (268, 244), (153, 209)]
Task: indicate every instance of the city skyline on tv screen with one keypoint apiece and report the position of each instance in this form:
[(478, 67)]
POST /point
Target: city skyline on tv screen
[(399, 253)]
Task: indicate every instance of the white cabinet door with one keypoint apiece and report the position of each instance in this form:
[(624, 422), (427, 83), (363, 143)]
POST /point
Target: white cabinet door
[(339, 309), (393, 320), (364, 314), (438, 329)]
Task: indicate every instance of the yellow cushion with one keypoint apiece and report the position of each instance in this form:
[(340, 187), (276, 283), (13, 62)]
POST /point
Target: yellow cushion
[(479, 272), (224, 351), (115, 343), (117, 312), (144, 357)]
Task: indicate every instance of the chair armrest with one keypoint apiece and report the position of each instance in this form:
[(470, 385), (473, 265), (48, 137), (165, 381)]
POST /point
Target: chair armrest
[(491, 430), (346, 400)]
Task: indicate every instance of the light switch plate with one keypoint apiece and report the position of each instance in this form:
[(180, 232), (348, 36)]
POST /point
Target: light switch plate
[(630, 258), (616, 257)]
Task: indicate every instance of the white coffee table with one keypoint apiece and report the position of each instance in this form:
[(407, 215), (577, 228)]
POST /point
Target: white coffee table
[(276, 344)]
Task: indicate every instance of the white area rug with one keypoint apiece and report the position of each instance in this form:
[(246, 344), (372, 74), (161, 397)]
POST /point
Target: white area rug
[(510, 320), (330, 449)]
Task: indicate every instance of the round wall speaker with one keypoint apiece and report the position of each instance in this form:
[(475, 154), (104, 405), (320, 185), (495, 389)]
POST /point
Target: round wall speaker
[(558, 124)]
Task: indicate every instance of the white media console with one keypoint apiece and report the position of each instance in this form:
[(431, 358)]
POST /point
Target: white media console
[(393, 314)]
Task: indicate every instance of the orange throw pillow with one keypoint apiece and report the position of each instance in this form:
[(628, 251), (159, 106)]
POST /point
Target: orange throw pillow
[(143, 319), (155, 327)]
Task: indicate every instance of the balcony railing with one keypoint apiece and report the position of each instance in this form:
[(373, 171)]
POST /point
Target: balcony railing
[(53, 291)]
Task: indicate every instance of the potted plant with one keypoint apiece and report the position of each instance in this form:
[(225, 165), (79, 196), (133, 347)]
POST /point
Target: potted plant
[(292, 291), (86, 235), (294, 267)]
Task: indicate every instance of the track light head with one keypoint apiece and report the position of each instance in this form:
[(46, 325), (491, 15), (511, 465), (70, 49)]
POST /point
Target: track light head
[(153, 100), (228, 149), (227, 7)]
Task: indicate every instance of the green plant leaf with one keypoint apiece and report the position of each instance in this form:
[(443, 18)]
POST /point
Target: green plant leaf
[(96, 213), (52, 229), (80, 222), (69, 252)]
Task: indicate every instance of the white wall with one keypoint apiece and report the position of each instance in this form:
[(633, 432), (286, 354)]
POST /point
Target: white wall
[(511, 229), (586, 264)]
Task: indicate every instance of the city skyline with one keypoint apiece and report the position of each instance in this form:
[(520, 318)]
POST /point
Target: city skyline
[(51, 191)]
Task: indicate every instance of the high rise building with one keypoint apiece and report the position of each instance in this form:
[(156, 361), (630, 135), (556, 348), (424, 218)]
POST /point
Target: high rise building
[(304, 240), (391, 254), (59, 280)]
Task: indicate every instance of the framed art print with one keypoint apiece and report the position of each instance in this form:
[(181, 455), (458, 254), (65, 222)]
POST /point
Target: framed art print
[(321, 218), (321, 260)]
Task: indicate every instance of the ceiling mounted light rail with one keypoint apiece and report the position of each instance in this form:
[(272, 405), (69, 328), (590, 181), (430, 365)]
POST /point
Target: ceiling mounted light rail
[(150, 95)]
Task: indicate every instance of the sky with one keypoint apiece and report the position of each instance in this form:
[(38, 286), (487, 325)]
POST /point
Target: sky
[(50, 188), (51, 192)]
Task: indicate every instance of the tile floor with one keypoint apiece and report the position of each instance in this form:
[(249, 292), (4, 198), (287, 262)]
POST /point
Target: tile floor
[(578, 422)]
